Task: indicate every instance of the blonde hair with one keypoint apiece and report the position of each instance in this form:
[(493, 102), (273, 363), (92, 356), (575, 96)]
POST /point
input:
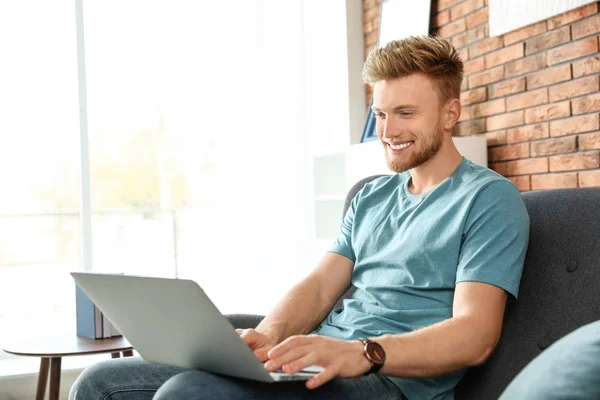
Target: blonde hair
[(429, 55)]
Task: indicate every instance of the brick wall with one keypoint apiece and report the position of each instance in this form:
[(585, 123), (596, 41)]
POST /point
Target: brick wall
[(533, 92)]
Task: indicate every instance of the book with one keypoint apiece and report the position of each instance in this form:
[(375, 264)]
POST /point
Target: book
[(88, 316), (114, 330), (106, 327)]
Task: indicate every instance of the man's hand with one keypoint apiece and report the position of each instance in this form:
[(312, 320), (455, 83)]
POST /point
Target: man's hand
[(338, 357), (260, 344)]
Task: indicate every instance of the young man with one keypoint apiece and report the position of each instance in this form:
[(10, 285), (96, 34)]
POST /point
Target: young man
[(433, 251)]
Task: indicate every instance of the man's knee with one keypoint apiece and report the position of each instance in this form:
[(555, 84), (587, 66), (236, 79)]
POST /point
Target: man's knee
[(101, 379), (91, 383), (197, 385)]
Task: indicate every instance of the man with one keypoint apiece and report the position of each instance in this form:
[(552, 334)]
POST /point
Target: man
[(434, 252)]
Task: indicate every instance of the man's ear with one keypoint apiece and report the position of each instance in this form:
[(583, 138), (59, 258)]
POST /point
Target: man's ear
[(452, 114)]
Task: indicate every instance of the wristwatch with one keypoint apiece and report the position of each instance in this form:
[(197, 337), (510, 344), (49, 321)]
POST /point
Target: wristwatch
[(374, 353)]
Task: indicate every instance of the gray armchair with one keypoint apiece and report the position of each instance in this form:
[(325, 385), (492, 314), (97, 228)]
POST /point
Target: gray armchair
[(559, 288)]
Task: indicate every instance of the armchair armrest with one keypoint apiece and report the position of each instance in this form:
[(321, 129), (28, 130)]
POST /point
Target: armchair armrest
[(244, 321)]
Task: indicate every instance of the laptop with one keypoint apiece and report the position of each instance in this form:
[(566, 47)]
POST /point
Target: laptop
[(172, 321)]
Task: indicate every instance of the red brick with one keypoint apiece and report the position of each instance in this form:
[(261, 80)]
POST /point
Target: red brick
[(495, 138), (441, 18), (574, 50), (505, 55), (527, 166), (590, 26), (524, 33), (370, 13), (466, 113), (591, 141), (548, 112), (554, 181), (587, 66), (526, 133), (589, 178), (527, 99), (473, 96), (453, 28), (549, 147), (489, 108), (571, 16), (470, 127), (477, 18), (507, 87), (475, 65), (463, 54), (548, 40), (485, 46), (499, 168), (371, 38), (502, 121), (572, 162), (575, 88), (586, 104), (485, 77), (526, 65), (443, 4), (465, 8), (570, 126), (464, 85), (510, 152), (523, 182), (470, 36), (369, 4), (549, 76)]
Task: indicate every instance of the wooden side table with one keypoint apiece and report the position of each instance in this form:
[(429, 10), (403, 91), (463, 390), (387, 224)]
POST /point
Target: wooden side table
[(52, 349)]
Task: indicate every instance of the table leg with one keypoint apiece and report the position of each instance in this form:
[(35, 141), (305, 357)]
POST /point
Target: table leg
[(42, 378), (128, 353), (115, 355), (55, 377)]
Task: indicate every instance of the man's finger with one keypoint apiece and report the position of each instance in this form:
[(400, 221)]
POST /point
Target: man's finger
[(261, 355), (293, 354), (300, 363), (321, 378), (289, 343)]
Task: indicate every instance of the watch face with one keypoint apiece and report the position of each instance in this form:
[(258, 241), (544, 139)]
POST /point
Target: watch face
[(376, 352)]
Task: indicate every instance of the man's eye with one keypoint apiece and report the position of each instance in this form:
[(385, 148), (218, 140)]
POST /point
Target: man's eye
[(379, 115), (406, 114)]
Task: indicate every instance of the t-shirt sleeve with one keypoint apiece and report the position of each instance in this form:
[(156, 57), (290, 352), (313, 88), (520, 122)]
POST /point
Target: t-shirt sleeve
[(343, 243), (495, 238)]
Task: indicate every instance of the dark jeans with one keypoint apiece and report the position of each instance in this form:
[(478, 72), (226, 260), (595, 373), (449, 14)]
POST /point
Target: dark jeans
[(135, 379)]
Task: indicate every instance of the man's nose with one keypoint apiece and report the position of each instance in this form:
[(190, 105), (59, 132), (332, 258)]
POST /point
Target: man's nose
[(390, 128)]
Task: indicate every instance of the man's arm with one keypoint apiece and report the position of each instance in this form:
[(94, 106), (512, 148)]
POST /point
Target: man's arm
[(309, 301), (465, 340)]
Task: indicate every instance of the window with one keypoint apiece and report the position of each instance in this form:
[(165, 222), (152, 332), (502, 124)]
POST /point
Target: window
[(198, 155), (39, 209)]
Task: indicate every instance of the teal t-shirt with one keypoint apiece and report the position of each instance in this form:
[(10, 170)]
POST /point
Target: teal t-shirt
[(410, 251)]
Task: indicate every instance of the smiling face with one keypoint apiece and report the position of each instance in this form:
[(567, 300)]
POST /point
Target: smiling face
[(409, 120)]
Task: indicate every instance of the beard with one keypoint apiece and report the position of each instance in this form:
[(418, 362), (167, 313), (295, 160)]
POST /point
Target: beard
[(415, 156)]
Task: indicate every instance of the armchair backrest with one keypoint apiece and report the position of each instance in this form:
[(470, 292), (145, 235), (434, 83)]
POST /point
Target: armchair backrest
[(559, 289)]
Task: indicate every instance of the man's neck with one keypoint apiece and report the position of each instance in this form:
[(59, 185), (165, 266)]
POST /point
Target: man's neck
[(439, 167)]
